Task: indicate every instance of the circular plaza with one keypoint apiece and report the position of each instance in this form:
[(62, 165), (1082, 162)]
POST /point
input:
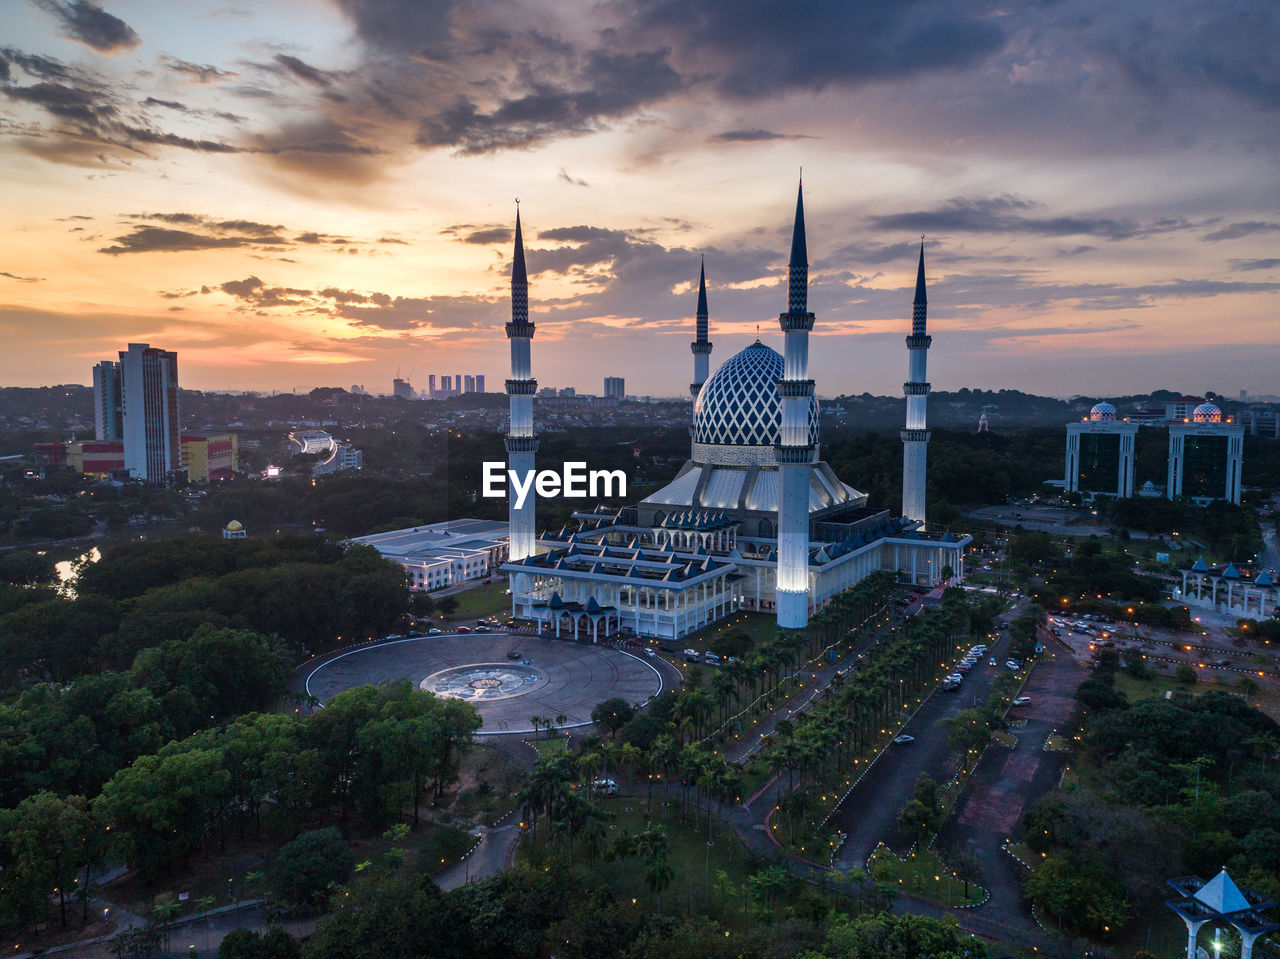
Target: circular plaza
[(508, 679)]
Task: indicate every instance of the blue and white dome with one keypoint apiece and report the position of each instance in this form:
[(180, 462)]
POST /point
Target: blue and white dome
[(1206, 413), (739, 407), (1102, 411)]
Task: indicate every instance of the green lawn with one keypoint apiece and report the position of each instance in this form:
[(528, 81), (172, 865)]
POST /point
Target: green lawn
[(923, 874), (1265, 698), (549, 747), (759, 626), (483, 600)]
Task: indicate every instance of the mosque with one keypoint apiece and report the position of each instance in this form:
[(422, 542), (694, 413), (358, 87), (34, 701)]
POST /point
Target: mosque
[(754, 520)]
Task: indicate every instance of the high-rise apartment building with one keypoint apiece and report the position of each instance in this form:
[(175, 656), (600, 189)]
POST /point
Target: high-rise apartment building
[(479, 382), (107, 418), (150, 415), (615, 387), (469, 384)]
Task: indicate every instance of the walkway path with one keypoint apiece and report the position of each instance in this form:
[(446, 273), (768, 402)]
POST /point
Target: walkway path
[(1007, 782)]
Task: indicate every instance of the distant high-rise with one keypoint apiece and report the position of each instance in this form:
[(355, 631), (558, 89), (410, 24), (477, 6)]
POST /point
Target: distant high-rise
[(479, 382), (150, 415), (446, 383), (431, 385), (615, 387), (107, 419), (469, 384), (402, 389)]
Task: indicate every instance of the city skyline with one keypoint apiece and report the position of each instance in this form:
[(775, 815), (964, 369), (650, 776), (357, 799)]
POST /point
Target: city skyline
[(311, 194)]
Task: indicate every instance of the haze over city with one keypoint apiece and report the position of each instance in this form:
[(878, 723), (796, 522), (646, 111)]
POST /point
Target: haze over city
[(300, 193)]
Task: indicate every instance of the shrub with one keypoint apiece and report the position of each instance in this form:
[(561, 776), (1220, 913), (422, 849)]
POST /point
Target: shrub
[(309, 867)]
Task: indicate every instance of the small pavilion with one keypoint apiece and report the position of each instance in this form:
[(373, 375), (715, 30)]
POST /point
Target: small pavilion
[(1221, 900)]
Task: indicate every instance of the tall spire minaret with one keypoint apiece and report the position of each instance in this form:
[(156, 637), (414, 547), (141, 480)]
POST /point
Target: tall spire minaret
[(915, 438), (700, 347), (521, 442), (796, 450)]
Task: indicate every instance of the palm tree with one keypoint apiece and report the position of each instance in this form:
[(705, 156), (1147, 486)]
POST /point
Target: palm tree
[(651, 847)]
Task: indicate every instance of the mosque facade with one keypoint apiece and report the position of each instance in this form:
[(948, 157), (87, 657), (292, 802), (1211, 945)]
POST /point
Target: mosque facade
[(754, 520)]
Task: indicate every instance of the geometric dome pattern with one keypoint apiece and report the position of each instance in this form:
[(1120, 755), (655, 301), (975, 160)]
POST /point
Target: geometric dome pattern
[(1206, 413), (1102, 411), (739, 404)]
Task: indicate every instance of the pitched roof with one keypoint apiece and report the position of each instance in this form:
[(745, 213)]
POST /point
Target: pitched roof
[(1222, 895)]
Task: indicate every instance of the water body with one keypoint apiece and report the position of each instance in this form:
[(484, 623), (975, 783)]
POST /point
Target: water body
[(68, 569)]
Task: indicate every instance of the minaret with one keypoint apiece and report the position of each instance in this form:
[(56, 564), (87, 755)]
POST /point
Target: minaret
[(521, 442), (701, 347), (795, 451), (915, 438)]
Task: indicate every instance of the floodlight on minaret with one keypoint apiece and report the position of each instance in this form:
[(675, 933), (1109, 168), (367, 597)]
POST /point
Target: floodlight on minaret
[(701, 346), (915, 437), (796, 450), (522, 443)]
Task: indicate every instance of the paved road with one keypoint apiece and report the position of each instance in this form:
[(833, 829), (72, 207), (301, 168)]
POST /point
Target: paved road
[(491, 857), (869, 813), (1270, 556), (1007, 782)]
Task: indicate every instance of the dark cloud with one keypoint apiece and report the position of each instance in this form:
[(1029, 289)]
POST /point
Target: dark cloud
[(257, 294), (180, 107), (92, 119), (154, 239), (1013, 215), (606, 86), (1233, 231), (88, 23), (759, 48), (20, 279), (575, 181), (303, 71), (756, 135), (197, 73), (1270, 263), (493, 234), (876, 255)]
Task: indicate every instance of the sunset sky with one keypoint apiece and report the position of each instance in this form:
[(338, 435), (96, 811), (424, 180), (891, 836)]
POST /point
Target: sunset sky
[(293, 193)]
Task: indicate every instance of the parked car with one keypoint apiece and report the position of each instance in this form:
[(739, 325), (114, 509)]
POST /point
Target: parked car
[(433, 631), (904, 738), (462, 629), (1022, 700), (604, 787), (650, 652), (1013, 664), (691, 655), (992, 662), (711, 659)]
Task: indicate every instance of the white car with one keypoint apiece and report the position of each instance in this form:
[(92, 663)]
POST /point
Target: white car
[(691, 655), (904, 739), (1022, 701), (604, 787), (1013, 664)]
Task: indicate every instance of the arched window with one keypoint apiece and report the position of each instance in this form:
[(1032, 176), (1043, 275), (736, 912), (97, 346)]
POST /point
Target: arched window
[(766, 528)]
